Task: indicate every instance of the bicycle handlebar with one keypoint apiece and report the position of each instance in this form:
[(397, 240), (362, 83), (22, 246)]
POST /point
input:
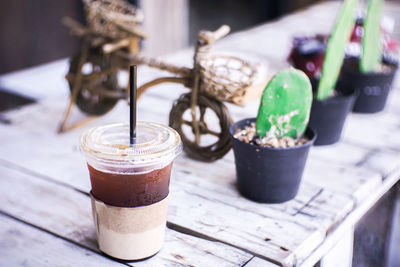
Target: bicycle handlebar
[(210, 37)]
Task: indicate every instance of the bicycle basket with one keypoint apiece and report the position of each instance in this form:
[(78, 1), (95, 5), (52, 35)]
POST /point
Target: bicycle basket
[(231, 79)]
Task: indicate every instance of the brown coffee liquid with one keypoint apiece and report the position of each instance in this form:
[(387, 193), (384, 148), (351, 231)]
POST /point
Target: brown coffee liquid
[(130, 190)]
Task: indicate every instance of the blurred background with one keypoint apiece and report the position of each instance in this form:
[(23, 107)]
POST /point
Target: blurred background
[(31, 32)]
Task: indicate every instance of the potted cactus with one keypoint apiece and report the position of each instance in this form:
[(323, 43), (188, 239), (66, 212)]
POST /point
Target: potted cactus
[(369, 75), (330, 107), (271, 150), (321, 58)]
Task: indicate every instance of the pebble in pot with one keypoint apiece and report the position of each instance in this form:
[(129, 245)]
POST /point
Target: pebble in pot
[(271, 150)]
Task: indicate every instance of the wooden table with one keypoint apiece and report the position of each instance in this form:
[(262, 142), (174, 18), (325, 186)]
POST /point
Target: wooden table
[(45, 214)]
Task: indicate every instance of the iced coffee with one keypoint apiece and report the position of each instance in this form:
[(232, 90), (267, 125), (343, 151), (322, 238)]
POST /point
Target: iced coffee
[(130, 186)]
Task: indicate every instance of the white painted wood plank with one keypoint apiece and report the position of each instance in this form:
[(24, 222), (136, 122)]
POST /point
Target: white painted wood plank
[(268, 234), (220, 182), (384, 162), (67, 213), (40, 82), (341, 153), (46, 155), (186, 250), (24, 245), (327, 210), (221, 187), (375, 131), (354, 181)]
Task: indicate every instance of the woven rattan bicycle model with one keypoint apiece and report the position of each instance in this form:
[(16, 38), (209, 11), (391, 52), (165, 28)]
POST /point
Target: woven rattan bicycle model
[(212, 80)]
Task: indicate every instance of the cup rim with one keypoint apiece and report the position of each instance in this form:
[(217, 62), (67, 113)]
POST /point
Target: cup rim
[(109, 153)]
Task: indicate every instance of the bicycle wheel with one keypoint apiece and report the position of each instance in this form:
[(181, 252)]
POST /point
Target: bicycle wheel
[(91, 98), (178, 119)]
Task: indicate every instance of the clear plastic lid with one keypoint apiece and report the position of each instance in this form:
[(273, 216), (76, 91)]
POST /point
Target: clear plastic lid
[(108, 147)]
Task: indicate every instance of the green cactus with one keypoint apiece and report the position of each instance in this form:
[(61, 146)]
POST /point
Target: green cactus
[(285, 105), (335, 50), (371, 41)]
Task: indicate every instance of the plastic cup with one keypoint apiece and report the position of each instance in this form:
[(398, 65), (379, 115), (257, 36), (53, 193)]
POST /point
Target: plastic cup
[(130, 186)]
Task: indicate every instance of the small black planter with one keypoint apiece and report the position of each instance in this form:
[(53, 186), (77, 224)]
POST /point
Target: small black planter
[(372, 88), (328, 116), (314, 85), (269, 175)]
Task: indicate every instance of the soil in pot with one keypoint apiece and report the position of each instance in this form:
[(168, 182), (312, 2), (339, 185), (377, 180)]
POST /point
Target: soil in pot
[(268, 171)]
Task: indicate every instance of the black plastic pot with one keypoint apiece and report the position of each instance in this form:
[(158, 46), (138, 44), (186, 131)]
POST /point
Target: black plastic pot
[(314, 85), (269, 175), (328, 116), (372, 88)]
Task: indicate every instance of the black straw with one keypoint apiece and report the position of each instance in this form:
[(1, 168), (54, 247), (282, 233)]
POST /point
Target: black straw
[(132, 98)]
